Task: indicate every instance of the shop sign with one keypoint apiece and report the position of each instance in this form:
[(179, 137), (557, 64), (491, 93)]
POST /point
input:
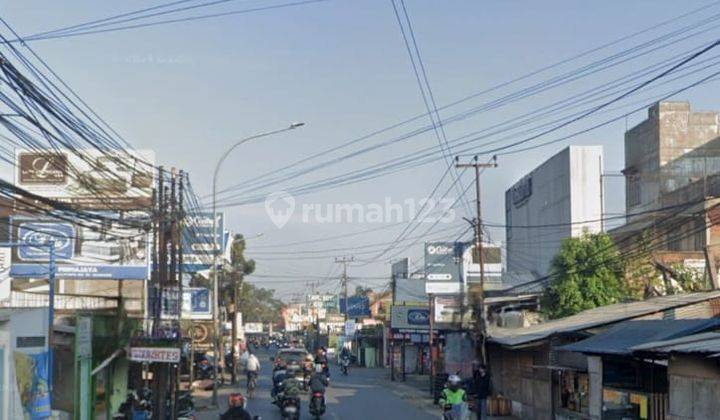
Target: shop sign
[(155, 354)]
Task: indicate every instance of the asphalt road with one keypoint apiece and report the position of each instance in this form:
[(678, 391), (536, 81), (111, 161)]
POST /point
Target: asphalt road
[(363, 394)]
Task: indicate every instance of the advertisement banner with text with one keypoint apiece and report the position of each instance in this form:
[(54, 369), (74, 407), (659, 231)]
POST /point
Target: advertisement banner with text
[(198, 241), (110, 248), (89, 179)]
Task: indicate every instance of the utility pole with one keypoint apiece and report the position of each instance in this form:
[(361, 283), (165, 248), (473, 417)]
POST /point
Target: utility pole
[(344, 261), (479, 313)]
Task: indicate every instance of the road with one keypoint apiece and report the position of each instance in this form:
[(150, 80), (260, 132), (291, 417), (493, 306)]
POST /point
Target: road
[(363, 394)]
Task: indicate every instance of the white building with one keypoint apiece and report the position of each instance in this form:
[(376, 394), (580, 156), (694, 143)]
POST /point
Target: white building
[(560, 198)]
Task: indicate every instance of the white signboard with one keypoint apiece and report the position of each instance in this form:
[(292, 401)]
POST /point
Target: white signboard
[(443, 288), (253, 327), (350, 328), (83, 330), (155, 354)]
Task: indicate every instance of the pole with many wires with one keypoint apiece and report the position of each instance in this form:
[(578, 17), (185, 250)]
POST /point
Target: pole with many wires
[(479, 312)]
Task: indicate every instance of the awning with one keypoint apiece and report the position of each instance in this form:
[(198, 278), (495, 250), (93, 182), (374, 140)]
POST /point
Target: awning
[(107, 361)]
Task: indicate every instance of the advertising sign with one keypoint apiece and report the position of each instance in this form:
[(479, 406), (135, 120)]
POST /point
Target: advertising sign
[(447, 309), (399, 269), (443, 261), (350, 328), (155, 354), (197, 303), (112, 248), (253, 327), (89, 179), (410, 318), (200, 332), (198, 241), (358, 306)]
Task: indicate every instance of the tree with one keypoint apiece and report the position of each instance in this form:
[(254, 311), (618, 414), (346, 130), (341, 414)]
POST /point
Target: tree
[(362, 291), (587, 272)]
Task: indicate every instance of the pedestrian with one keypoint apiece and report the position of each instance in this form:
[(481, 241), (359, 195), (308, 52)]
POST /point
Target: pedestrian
[(483, 389)]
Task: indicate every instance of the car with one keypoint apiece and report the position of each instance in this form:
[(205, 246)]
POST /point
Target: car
[(290, 356)]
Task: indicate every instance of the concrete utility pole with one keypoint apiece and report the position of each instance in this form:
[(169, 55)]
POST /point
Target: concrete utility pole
[(479, 313), (344, 261)]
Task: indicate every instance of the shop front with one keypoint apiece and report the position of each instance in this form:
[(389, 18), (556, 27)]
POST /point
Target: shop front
[(409, 341)]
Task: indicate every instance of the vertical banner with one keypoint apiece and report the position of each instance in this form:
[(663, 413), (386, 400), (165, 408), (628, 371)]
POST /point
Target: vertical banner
[(198, 240)]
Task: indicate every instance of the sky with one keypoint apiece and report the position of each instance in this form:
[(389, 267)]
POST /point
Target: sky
[(190, 90)]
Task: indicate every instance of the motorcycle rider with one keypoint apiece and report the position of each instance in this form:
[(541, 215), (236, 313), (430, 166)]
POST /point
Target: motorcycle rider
[(289, 387), (318, 383), (235, 410), (278, 377), (321, 358), (453, 394)]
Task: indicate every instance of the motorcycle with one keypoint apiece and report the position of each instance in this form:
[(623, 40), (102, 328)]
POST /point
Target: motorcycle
[(185, 406), (317, 404), (344, 365), (456, 412), (290, 408)]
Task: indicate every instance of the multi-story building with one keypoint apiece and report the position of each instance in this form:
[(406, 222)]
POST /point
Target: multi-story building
[(672, 148), (672, 174), (560, 198)]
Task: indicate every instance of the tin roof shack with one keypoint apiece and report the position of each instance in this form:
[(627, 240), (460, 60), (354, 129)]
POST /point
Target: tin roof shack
[(542, 383), (693, 372), (634, 386)]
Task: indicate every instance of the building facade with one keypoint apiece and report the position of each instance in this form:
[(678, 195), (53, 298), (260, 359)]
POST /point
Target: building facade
[(672, 148), (560, 198)]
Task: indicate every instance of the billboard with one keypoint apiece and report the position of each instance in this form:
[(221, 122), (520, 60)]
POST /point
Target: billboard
[(410, 317), (448, 309), (358, 306), (111, 247), (197, 303), (200, 332), (253, 327), (399, 269), (443, 265), (198, 241), (89, 179)]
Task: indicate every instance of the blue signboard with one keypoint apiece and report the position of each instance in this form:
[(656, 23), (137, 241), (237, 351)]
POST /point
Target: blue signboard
[(109, 250), (199, 242), (62, 233), (418, 317), (358, 306)]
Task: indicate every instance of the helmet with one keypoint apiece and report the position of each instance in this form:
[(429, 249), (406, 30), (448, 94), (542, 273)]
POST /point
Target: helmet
[(454, 382), (236, 399), (309, 358), (318, 368)]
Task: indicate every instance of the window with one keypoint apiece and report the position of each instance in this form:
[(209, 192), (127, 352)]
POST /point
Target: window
[(574, 388)]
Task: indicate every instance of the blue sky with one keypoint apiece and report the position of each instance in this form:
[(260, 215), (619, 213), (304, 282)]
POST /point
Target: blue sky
[(188, 90)]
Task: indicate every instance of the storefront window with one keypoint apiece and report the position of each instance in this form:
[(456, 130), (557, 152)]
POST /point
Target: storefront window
[(574, 391)]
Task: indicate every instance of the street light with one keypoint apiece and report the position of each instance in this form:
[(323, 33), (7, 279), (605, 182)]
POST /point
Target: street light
[(216, 248)]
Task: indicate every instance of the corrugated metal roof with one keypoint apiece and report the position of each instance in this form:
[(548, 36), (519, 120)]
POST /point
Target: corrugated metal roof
[(706, 343), (622, 337), (596, 317)]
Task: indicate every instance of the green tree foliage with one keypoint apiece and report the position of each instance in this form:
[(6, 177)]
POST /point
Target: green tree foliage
[(259, 305), (362, 291), (256, 304), (586, 273)]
